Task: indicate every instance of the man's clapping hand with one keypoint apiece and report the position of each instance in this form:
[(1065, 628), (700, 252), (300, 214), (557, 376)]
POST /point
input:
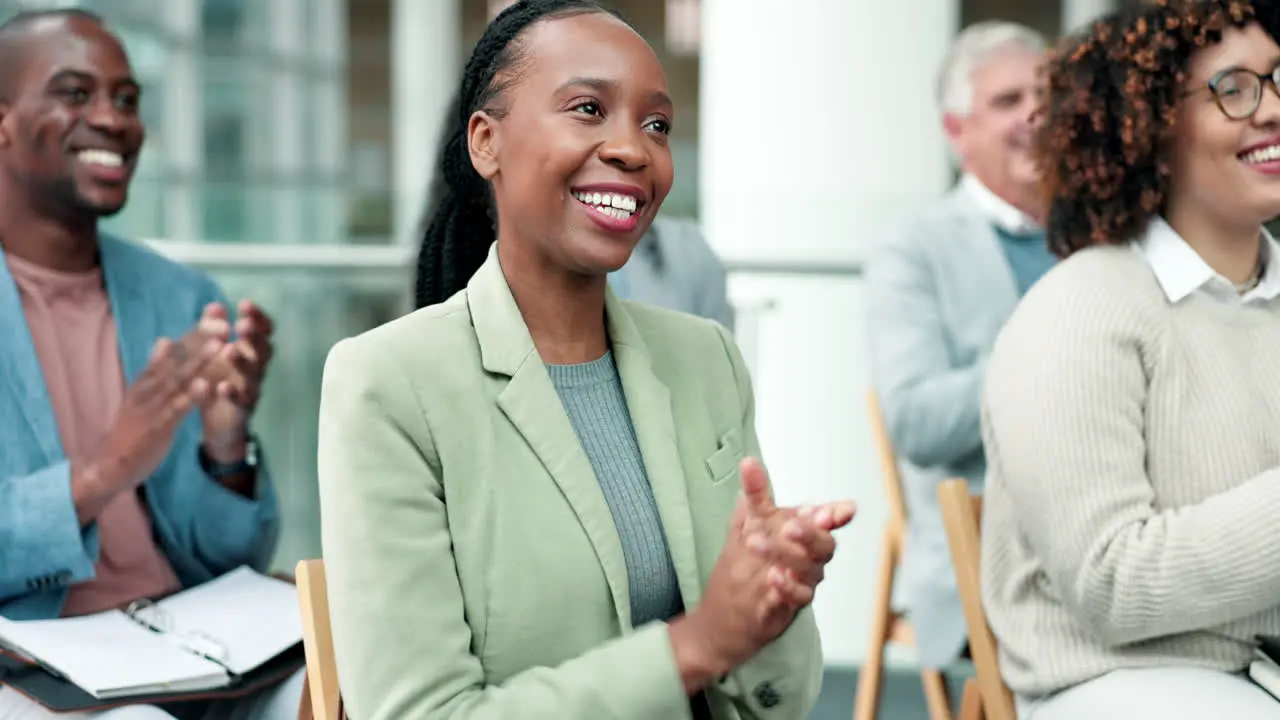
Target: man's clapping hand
[(152, 409), (235, 380)]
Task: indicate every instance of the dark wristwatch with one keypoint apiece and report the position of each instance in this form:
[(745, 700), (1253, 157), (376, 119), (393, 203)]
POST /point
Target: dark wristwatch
[(217, 470)]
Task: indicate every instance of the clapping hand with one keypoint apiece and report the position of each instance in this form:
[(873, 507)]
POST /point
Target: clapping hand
[(796, 542), (768, 569), (235, 379), (153, 407)]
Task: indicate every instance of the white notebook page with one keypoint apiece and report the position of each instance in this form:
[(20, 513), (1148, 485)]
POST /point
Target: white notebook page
[(250, 616), (109, 652)]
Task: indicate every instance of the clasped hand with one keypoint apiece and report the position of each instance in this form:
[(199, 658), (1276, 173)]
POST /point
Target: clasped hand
[(795, 543), (772, 562)]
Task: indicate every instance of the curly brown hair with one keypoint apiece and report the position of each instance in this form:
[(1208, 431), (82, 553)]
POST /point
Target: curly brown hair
[(1110, 112)]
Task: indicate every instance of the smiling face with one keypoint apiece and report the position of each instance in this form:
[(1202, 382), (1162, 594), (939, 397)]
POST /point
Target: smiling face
[(1224, 168), (70, 130), (993, 139), (578, 156)]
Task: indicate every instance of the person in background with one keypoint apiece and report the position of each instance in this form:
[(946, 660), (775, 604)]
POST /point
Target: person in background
[(674, 267), (127, 469), (1130, 549), (938, 290), (539, 501)]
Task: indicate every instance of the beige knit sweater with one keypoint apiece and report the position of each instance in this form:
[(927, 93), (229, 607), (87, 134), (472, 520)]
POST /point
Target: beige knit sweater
[(1132, 512)]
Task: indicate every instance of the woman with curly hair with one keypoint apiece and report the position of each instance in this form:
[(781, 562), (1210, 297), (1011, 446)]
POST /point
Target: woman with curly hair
[(1131, 534)]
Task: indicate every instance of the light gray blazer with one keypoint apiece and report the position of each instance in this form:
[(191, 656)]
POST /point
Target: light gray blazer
[(938, 291), (674, 267)]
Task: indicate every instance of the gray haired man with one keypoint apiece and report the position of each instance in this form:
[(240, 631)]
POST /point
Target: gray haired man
[(938, 290)]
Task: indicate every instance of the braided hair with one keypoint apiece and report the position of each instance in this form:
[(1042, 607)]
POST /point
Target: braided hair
[(461, 224)]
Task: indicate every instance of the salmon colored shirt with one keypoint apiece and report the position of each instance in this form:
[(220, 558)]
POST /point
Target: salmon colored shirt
[(69, 315)]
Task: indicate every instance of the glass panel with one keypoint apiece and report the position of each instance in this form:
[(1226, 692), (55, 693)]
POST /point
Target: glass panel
[(269, 212), (312, 311), (230, 27), (287, 204), (143, 216), (249, 197), (237, 110), (327, 168), (225, 209), (326, 124), (368, 168), (118, 10), (327, 27), (324, 219)]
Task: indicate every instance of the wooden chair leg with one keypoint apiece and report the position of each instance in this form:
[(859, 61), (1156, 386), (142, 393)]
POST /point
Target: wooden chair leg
[(936, 695), (866, 705), (304, 706), (971, 701)]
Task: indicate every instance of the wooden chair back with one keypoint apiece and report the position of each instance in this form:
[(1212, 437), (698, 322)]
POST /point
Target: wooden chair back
[(887, 626), (317, 640), (962, 515), (889, 470)]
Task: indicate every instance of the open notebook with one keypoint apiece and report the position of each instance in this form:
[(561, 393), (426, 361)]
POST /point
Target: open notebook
[(200, 639), (1265, 670)]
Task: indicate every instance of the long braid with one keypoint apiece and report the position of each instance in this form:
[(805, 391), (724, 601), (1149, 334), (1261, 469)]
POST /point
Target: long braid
[(462, 223)]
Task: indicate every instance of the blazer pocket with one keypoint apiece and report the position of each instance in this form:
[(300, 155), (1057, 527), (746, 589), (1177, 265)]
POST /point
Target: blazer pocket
[(723, 463)]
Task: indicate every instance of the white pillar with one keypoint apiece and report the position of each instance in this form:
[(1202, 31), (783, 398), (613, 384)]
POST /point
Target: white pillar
[(183, 133), (817, 125), (1077, 13), (425, 75), (817, 129)]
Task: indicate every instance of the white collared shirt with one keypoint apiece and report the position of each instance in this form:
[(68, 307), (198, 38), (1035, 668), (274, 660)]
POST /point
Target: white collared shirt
[(997, 210), (1181, 271)]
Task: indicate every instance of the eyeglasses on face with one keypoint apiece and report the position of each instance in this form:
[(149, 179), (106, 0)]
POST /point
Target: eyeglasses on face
[(1238, 91)]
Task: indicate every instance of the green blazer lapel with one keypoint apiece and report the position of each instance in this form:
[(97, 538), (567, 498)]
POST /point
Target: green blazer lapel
[(532, 405), (649, 401)]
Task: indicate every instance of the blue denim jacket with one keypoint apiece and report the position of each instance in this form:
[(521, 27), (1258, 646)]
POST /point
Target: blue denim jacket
[(203, 528)]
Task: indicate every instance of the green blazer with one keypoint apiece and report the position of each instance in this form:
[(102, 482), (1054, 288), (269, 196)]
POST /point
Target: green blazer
[(474, 568)]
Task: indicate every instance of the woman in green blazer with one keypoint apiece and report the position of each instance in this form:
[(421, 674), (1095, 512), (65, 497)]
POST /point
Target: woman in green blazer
[(530, 492)]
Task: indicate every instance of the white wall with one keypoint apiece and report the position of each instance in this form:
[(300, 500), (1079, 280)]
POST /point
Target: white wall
[(818, 129)]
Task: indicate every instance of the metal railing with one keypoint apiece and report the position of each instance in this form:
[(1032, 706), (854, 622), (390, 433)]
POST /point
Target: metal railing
[(401, 257)]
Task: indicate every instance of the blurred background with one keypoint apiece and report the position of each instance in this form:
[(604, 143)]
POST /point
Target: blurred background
[(290, 146)]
